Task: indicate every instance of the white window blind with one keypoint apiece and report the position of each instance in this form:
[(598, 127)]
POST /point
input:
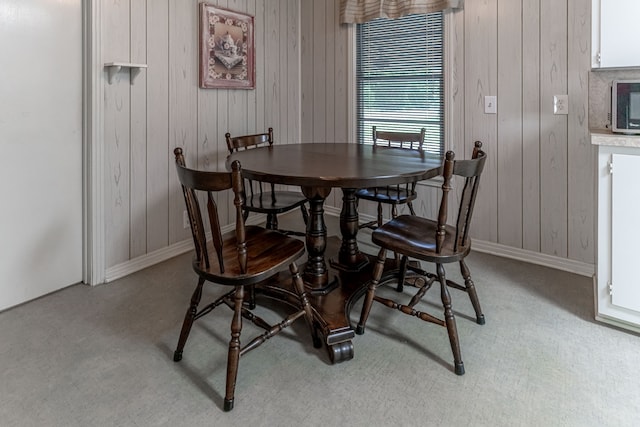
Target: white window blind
[(399, 77)]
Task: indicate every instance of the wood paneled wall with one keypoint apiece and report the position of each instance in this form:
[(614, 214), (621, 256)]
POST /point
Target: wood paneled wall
[(537, 193), (538, 189), (324, 76), (165, 108)]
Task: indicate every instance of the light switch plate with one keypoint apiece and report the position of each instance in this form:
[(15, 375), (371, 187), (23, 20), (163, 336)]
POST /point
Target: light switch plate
[(490, 104), (560, 104)]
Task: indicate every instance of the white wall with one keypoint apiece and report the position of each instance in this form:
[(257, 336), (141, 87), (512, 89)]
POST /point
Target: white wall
[(41, 140)]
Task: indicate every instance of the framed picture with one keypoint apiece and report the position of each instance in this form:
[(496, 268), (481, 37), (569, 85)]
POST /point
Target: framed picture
[(227, 57)]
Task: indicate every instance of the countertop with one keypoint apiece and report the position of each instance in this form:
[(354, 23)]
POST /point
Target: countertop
[(606, 137)]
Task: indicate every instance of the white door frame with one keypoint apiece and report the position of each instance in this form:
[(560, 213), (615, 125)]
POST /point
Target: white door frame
[(93, 227)]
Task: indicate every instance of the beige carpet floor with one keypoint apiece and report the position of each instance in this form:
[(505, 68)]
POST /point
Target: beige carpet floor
[(102, 356)]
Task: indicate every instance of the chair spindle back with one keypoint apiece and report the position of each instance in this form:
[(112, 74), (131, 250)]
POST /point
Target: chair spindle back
[(208, 183), (411, 140), (470, 170), (408, 140), (249, 142)]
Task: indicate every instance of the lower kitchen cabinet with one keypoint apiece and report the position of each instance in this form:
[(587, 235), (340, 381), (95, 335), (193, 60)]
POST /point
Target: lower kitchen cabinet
[(617, 280)]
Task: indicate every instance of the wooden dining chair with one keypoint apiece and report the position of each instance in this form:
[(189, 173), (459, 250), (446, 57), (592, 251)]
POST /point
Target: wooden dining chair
[(392, 195), (240, 258), (418, 238), (261, 197)]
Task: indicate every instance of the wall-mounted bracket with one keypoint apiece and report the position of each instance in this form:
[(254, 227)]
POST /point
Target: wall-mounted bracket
[(114, 67)]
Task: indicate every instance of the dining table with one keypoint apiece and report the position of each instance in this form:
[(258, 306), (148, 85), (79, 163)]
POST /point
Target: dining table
[(336, 271)]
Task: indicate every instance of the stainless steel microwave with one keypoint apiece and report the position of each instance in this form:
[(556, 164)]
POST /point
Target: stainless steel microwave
[(625, 106)]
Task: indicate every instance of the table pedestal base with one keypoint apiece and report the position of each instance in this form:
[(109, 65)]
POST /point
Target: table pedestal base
[(332, 308)]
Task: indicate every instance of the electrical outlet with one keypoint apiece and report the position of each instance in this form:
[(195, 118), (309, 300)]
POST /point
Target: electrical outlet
[(560, 104), (185, 219), (490, 105)]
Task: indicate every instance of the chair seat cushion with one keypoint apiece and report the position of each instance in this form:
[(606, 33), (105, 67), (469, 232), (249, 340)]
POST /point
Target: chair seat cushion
[(414, 236), (268, 252), (264, 202), (393, 195)]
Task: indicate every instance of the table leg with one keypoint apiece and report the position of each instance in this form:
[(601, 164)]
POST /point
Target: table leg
[(349, 258), (316, 275), (333, 299)]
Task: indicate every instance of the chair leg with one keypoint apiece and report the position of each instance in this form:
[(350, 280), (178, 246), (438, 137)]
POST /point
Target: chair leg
[(188, 320), (410, 205), (272, 221), (471, 290), (396, 260), (371, 291), (394, 211), (233, 358), (304, 299), (252, 297), (396, 256), (402, 273), (450, 321)]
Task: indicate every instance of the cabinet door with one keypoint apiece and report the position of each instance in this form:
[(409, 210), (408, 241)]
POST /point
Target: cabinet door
[(625, 232), (615, 33)]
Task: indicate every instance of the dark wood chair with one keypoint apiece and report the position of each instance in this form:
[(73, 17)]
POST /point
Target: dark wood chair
[(434, 242), (393, 195), (238, 259), (262, 197)]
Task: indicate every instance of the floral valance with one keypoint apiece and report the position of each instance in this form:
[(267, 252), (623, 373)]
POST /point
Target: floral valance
[(359, 11)]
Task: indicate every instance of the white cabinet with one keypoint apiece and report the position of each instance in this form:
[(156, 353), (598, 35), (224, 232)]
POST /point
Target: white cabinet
[(617, 281), (615, 33)]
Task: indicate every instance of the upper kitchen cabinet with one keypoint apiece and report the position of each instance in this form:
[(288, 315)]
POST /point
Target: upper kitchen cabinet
[(615, 33)]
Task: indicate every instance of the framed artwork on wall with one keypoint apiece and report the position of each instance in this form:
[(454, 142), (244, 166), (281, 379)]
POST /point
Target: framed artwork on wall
[(227, 57)]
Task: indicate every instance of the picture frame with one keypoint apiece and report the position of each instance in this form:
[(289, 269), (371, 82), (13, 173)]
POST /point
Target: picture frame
[(227, 56)]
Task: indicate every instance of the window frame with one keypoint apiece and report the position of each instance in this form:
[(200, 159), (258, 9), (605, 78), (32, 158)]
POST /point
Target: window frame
[(401, 100), (453, 84)]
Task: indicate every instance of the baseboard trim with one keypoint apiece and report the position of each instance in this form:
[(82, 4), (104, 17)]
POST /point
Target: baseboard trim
[(621, 324), (131, 266), (564, 264), (139, 263), (577, 267), (558, 263)]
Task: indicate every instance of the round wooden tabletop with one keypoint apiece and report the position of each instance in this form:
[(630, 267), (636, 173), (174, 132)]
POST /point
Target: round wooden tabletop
[(345, 165)]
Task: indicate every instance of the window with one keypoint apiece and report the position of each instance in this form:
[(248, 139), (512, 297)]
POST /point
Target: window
[(399, 77)]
